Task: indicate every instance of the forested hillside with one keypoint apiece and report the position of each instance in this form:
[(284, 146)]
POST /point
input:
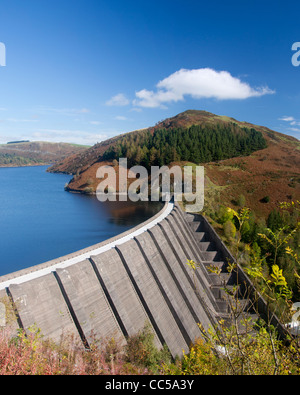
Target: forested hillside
[(197, 144)]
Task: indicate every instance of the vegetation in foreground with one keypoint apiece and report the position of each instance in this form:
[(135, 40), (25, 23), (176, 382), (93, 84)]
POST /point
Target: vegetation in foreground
[(224, 353), (32, 355)]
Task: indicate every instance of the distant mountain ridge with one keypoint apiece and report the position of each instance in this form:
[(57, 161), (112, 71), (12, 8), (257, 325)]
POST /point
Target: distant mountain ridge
[(28, 153), (273, 169)]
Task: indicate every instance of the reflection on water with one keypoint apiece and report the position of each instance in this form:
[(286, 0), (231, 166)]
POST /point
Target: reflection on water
[(131, 213)]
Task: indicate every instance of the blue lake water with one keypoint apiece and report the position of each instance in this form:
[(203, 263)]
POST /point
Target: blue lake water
[(40, 221)]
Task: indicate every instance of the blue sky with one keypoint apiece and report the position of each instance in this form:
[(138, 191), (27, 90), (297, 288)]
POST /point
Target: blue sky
[(83, 71)]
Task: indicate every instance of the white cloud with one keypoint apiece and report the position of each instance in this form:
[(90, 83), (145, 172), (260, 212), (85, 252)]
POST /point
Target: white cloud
[(297, 130), (62, 111), (120, 118), (68, 136), (198, 83), (16, 120), (119, 100), (136, 109), (95, 122), (292, 121), (287, 119)]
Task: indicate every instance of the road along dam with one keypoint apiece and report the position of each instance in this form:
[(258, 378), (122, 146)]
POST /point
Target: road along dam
[(141, 276)]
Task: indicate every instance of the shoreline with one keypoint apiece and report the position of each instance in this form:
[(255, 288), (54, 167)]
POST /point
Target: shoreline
[(28, 165)]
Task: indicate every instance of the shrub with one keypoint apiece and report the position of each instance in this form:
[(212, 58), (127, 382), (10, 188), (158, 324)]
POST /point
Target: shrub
[(241, 201), (201, 360), (224, 215), (229, 229), (141, 350), (265, 199)]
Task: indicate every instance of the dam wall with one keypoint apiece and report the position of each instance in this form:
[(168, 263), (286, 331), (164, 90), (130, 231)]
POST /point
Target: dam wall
[(141, 276)]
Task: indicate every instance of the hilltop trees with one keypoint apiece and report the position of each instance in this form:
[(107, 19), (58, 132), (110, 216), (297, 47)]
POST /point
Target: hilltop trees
[(198, 144)]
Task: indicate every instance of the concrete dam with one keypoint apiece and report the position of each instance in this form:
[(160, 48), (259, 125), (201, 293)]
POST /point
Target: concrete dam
[(113, 288)]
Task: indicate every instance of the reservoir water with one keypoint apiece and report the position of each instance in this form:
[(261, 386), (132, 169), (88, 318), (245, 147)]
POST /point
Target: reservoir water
[(40, 221)]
